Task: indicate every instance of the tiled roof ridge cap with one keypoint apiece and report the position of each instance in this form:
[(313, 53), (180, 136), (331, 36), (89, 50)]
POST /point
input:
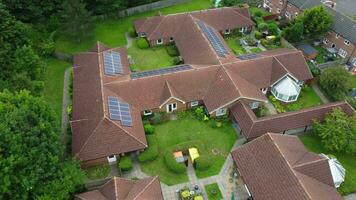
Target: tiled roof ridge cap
[(145, 188), (91, 134)]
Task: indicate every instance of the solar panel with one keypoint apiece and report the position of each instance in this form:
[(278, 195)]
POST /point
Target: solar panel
[(119, 111), (213, 39), (249, 56), (160, 71), (112, 63)]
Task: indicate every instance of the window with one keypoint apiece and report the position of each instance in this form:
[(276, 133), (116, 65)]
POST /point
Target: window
[(227, 31), (194, 103), (171, 39), (287, 14), (111, 159), (243, 29), (278, 10), (342, 53), (159, 41), (221, 111), (337, 35), (347, 42), (147, 112), (254, 105), (142, 34), (353, 62), (289, 5), (325, 41), (333, 45), (296, 14)]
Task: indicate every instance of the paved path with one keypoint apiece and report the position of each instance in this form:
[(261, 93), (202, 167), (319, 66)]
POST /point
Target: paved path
[(129, 40), (65, 102), (271, 109), (317, 90), (350, 196)]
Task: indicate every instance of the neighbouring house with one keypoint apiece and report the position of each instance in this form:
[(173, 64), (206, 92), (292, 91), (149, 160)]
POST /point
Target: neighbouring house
[(278, 167), (342, 36), (125, 189)]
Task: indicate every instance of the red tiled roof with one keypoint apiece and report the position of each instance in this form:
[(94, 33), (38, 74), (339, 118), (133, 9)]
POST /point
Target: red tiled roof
[(278, 167), (125, 189)]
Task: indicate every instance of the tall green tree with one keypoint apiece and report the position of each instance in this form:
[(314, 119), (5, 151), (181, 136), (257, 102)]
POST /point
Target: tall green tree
[(316, 21), (337, 132), (77, 20), (106, 7), (294, 31), (30, 150), (336, 82)]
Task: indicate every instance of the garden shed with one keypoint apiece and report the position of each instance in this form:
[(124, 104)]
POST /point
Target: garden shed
[(309, 52)]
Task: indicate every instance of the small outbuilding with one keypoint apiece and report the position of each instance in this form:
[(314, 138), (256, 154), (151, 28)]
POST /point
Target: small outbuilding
[(193, 153), (309, 52)]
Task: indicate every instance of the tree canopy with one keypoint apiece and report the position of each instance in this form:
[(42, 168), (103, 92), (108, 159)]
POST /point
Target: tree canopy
[(337, 132), (30, 150), (294, 31), (316, 21), (336, 82)]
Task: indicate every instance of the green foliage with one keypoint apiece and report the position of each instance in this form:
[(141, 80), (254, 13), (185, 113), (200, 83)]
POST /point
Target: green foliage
[(294, 31), (172, 164), (76, 20), (231, 2), (213, 191), (250, 40), (132, 33), (317, 21), (157, 118), (203, 162), (258, 13), (30, 150), (272, 29), (199, 113), (142, 43), (172, 50), (335, 82), (351, 101), (258, 35), (106, 7), (262, 27), (125, 163), (177, 60), (264, 42), (151, 152), (337, 132), (97, 172), (149, 129), (314, 69)]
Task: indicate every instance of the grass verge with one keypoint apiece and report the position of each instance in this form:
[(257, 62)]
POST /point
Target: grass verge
[(213, 191), (97, 172)]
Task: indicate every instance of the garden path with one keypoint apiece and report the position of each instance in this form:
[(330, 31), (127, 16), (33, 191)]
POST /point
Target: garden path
[(317, 90), (65, 103), (271, 109), (129, 40)]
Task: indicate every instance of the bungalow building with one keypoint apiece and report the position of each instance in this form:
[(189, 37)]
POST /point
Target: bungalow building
[(278, 167), (125, 189)]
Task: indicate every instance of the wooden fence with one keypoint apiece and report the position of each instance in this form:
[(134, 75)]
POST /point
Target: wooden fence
[(323, 66)]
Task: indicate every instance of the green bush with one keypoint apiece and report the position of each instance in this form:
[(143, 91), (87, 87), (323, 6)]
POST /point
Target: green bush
[(132, 33), (199, 113), (125, 163), (157, 118), (262, 27), (258, 35), (258, 13), (142, 43), (151, 153), (272, 28), (250, 40), (172, 164), (177, 60), (202, 163), (264, 42), (314, 69), (172, 50), (149, 129)]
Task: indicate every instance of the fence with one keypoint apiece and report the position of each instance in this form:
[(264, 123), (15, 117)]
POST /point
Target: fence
[(149, 7), (332, 63)]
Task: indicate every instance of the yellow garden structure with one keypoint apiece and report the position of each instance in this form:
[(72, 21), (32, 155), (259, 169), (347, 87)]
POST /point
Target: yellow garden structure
[(193, 153)]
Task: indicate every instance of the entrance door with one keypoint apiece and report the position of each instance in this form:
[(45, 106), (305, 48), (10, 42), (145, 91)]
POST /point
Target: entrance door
[(171, 107)]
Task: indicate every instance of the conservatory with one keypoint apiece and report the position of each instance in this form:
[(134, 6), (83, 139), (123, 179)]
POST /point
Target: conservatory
[(286, 89)]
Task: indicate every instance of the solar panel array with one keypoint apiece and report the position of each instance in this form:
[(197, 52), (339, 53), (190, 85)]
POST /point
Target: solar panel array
[(119, 111), (112, 63), (162, 71), (249, 56), (213, 39)]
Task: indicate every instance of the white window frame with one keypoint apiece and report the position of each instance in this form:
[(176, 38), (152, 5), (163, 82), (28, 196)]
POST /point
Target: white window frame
[(289, 5), (194, 103), (347, 42), (296, 14), (254, 104), (221, 111), (142, 34), (333, 45), (174, 107), (342, 53), (337, 35), (147, 112), (353, 62), (159, 41), (287, 14), (171, 39), (227, 31), (325, 41), (278, 10), (111, 159)]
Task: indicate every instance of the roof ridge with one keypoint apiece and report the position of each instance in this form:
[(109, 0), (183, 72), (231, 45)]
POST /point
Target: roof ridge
[(144, 189), (85, 143), (163, 18), (307, 163)]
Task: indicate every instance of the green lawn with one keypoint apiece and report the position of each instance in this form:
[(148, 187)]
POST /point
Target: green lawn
[(97, 172), (112, 31), (353, 81), (312, 142), (307, 98), (255, 50), (213, 191), (151, 58), (189, 129), (53, 86), (321, 53), (234, 44), (253, 10)]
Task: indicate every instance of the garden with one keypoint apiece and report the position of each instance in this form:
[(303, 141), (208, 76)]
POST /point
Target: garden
[(307, 98), (212, 138), (213, 191)]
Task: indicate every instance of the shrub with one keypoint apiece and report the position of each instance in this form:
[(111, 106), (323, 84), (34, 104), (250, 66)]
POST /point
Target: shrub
[(264, 42), (172, 164), (157, 118), (132, 33), (125, 163), (177, 60), (142, 43), (250, 41), (151, 153), (272, 28), (172, 50), (149, 129), (202, 163), (258, 35), (314, 69), (258, 13), (262, 27), (199, 113)]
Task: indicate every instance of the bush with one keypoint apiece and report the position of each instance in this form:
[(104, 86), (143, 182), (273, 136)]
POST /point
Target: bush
[(258, 13), (272, 29), (149, 129), (262, 27), (172, 50), (142, 43), (264, 42), (250, 41), (177, 60), (258, 35), (132, 33), (172, 164), (199, 113), (151, 153), (202, 163), (314, 70), (125, 163), (157, 118)]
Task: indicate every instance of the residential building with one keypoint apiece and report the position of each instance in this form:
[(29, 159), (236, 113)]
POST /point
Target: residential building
[(278, 167), (125, 189)]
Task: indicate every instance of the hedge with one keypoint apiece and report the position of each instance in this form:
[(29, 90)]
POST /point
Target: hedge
[(142, 43), (125, 163), (172, 50), (172, 164), (132, 33), (202, 163), (149, 129), (151, 153)]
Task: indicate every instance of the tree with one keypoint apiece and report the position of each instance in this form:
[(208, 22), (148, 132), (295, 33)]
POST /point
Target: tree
[(231, 2), (335, 82), (30, 150), (316, 21), (337, 132), (293, 32), (77, 20), (105, 7), (273, 29)]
